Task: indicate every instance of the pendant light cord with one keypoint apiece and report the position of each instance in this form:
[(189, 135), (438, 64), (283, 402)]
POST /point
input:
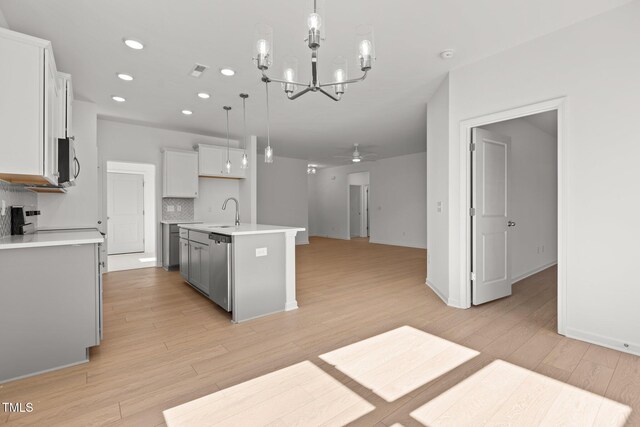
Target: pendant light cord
[(227, 135), (266, 85), (244, 118)]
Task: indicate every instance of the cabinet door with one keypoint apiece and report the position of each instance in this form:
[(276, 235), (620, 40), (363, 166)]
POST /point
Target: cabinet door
[(180, 174), (199, 266), (51, 120), (210, 160), (21, 108), (184, 259)]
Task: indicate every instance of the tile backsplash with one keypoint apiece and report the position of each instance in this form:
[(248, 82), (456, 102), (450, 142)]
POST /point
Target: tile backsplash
[(177, 209), (15, 195)]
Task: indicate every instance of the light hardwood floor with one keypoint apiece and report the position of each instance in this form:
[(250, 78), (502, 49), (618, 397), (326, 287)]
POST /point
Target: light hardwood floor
[(166, 345)]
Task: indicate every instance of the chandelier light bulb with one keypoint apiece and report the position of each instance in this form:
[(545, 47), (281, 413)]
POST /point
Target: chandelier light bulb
[(339, 75), (227, 166), (365, 48), (314, 22), (289, 75), (244, 163), (268, 154), (262, 46), (356, 160)]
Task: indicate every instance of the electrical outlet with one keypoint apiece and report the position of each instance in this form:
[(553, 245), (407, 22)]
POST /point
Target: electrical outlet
[(542, 248), (3, 208), (179, 208), (261, 252), (171, 208), (439, 207)]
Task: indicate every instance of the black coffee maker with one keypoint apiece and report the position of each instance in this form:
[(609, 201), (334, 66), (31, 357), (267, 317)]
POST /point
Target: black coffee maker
[(21, 220)]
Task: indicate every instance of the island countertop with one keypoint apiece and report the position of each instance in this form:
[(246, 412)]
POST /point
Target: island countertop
[(52, 238), (239, 230)]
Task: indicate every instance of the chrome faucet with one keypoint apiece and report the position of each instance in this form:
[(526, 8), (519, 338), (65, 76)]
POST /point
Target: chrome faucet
[(224, 207)]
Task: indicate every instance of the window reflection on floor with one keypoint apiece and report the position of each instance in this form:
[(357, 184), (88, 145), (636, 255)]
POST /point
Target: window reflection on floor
[(397, 362), (301, 394), (504, 394)]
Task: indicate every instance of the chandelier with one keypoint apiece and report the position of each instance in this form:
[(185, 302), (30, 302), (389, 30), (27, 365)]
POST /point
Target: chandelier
[(263, 57)]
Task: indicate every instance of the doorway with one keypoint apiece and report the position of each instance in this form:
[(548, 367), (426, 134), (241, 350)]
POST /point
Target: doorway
[(358, 206), (131, 230), (514, 209)]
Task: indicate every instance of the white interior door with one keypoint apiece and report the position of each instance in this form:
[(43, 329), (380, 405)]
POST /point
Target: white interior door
[(491, 261), (125, 212), (355, 213)]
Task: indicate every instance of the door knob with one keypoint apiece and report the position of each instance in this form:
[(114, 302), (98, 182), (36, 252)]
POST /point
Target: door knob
[(511, 224)]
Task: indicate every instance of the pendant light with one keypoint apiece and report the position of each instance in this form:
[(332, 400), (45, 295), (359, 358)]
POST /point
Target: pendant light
[(244, 163), (227, 166), (268, 152)]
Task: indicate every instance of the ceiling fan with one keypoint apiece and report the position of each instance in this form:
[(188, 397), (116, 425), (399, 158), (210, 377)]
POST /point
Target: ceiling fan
[(357, 156)]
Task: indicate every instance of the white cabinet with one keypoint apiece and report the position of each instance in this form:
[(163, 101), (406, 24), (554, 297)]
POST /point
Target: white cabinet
[(180, 173), (212, 160), (29, 110)]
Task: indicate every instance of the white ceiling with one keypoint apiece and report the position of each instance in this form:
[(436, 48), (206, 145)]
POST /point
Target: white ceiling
[(385, 114)]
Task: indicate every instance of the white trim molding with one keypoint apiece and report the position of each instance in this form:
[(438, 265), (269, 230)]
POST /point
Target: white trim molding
[(558, 104)]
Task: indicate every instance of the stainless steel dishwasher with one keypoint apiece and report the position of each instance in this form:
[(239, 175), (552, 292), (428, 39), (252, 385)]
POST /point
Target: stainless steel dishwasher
[(221, 271)]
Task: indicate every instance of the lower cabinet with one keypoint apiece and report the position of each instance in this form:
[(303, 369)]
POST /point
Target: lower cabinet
[(51, 313), (195, 262), (199, 266), (184, 259)]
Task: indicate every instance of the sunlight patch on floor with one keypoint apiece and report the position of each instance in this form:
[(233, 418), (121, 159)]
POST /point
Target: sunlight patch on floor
[(131, 261), (397, 362), (503, 394), (301, 394)]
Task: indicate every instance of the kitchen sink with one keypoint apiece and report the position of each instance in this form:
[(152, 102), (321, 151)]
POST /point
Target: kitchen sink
[(221, 226)]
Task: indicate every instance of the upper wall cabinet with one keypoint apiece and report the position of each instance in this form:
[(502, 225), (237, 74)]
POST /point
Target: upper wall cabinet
[(30, 116), (212, 161), (180, 173)]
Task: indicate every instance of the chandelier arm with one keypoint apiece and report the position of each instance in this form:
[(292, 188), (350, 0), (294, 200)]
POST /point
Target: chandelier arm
[(269, 80), (359, 79), (335, 98), (299, 94)]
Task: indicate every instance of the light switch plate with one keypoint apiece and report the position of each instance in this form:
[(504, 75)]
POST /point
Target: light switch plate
[(261, 252), (171, 208)]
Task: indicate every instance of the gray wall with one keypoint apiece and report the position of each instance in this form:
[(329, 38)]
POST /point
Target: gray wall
[(397, 196)]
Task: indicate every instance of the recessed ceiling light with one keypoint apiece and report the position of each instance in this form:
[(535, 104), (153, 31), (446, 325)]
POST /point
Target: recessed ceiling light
[(227, 72), (204, 95), (126, 77), (118, 98), (133, 44), (187, 112)]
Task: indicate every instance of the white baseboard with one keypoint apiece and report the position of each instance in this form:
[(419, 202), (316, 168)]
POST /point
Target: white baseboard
[(532, 272), (291, 305), (436, 291), (449, 301), (329, 236), (633, 348), (396, 243)]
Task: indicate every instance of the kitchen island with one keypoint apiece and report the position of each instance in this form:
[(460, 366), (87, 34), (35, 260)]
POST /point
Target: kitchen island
[(248, 269)]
